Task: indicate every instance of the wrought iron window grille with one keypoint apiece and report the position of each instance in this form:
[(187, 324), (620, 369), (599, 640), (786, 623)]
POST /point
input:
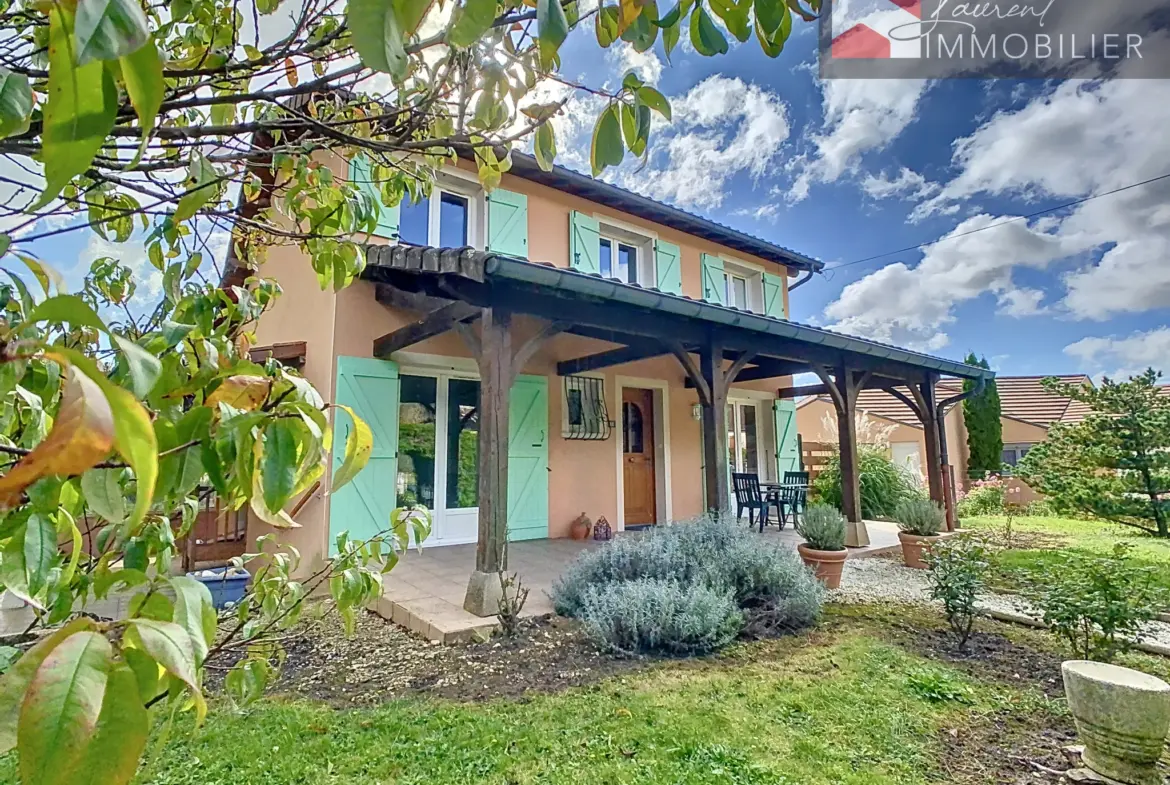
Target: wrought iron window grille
[(587, 418)]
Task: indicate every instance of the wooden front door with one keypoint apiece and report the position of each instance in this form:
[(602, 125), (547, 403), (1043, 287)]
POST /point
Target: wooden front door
[(638, 456)]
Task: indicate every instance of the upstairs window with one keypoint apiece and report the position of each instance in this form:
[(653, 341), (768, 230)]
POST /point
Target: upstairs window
[(626, 255), (619, 260), (743, 288), (445, 219)]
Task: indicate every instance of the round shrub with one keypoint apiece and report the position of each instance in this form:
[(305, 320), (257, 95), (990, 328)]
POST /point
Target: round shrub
[(986, 497), (883, 484), (653, 616), (759, 575), (823, 528), (922, 517)]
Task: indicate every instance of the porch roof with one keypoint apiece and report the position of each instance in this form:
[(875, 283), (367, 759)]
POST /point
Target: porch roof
[(613, 310)]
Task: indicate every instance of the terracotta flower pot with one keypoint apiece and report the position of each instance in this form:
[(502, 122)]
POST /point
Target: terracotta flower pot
[(1122, 716), (913, 547), (580, 527), (826, 565)]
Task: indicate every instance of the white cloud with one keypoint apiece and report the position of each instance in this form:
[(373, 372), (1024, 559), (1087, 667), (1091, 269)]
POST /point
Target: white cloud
[(911, 305), (907, 183), (860, 116), (132, 254), (767, 211), (722, 127), (646, 64), (1123, 357)]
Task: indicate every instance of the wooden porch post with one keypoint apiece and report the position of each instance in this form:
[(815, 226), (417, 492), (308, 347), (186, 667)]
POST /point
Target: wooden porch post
[(715, 465), (843, 386), (924, 397), (498, 369)]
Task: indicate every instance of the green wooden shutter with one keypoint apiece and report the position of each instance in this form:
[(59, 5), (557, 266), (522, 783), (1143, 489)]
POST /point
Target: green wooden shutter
[(507, 223), (528, 459), (714, 287), (774, 295), (584, 243), (359, 174), (371, 388), (668, 266), (787, 444)]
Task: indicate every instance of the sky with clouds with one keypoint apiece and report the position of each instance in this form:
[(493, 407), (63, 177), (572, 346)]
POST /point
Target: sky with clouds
[(846, 171)]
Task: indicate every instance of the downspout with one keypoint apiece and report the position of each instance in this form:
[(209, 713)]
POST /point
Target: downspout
[(803, 280), (940, 411)]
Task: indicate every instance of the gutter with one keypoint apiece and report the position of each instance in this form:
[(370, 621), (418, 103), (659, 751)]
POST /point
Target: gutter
[(808, 277), (940, 411)]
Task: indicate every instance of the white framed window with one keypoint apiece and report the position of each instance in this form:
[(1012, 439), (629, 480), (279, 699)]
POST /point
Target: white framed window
[(743, 287), (1013, 454), (626, 255), (451, 217)]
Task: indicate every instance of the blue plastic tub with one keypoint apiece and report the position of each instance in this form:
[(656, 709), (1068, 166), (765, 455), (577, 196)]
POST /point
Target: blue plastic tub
[(224, 587)]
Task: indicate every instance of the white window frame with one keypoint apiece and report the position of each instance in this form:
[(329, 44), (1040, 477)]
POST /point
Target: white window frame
[(641, 240), (1018, 448), (457, 184), (753, 277)]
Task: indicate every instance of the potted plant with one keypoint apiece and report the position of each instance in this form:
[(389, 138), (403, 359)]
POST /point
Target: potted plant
[(919, 521), (823, 529)]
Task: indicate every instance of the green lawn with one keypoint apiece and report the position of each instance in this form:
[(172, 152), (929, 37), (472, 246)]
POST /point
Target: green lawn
[(846, 706), (1070, 536)]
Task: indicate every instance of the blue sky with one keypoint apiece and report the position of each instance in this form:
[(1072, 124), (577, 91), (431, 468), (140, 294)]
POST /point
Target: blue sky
[(847, 170), (844, 170)]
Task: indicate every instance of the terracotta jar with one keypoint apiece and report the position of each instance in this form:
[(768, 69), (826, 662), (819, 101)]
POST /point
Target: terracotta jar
[(579, 528), (913, 548), (826, 565)]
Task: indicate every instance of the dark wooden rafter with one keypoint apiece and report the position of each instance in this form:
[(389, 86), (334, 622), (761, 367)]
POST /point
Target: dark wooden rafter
[(927, 410), (530, 347), (437, 322), (693, 372), (610, 358)]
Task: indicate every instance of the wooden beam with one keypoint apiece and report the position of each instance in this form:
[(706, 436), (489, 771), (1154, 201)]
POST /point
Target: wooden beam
[(924, 398), (434, 323), (785, 393), (694, 373), (526, 352), (393, 297), (495, 371), (714, 410), (608, 359)]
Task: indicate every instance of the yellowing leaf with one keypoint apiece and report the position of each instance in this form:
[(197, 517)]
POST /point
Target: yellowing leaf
[(60, 711), (358, 447), (241, 392), (113, 753), (290, 71), (82, 436)]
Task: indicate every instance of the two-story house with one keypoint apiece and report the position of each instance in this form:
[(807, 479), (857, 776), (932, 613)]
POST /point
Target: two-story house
[(561, 346)]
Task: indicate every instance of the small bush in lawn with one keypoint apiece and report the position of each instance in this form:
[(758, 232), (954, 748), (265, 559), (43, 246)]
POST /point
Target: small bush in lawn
[(935, 686), (986, 497), (883, 483), (650, 615), (763, 579), (920, 516), (1097, 605), (958, 574), (823, 528)]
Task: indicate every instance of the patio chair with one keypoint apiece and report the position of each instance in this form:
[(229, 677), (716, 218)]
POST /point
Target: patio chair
[(790, 500), (749, 497), (798, 478)]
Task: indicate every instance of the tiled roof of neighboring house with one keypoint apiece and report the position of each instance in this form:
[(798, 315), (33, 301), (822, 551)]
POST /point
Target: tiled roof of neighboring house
[(1021, 398)]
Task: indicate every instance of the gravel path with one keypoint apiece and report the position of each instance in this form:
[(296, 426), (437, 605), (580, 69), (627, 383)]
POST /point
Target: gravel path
[(887, 580)]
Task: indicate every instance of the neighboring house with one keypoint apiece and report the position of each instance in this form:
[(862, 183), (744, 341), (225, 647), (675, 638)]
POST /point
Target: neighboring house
[(602, 353), (1027, 410)]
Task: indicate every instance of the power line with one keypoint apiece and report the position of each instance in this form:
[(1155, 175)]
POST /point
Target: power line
[(1038, 213)]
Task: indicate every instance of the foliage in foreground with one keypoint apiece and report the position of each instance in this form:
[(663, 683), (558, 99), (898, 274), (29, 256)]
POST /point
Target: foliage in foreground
[(1097, 605), (1114, 464), (958, 575), (883, 484), (922, 517), (685, 566)]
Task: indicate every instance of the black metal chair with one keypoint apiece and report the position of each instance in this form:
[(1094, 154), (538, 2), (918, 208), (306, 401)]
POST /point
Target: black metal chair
[(802, 479), (749, 497), (790, 500)]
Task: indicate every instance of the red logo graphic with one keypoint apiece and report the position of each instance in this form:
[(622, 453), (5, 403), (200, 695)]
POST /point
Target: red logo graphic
[(871, 39)]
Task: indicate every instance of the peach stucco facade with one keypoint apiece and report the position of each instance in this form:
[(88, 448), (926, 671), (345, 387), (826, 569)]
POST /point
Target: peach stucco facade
[(584, 476)]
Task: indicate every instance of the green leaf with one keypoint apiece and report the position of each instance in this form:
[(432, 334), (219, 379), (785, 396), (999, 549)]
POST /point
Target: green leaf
[(113, 753), (142, 365), (109, 29), (410, 13), (552, 29), (636, 127), (15, 682), (103, 493), (377, 36), (770, 15), (201, 186), (143, 77), (40, 546), (82, 106), (773, 44), (670, 36), (607, 148), (472, 20), (358, 447), (545, 146), (278, 468), (15, 103), (655, 100), (67, 308), (706, 37), (607, 25), (195, 613), (170, 646), (735, 16), (60, 711)]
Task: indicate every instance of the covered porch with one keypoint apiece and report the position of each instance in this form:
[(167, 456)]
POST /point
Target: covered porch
[(426, 590), (478, 296)]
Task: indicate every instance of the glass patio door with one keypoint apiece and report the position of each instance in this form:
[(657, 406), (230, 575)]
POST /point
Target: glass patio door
[(743, 437), (438, 453)]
